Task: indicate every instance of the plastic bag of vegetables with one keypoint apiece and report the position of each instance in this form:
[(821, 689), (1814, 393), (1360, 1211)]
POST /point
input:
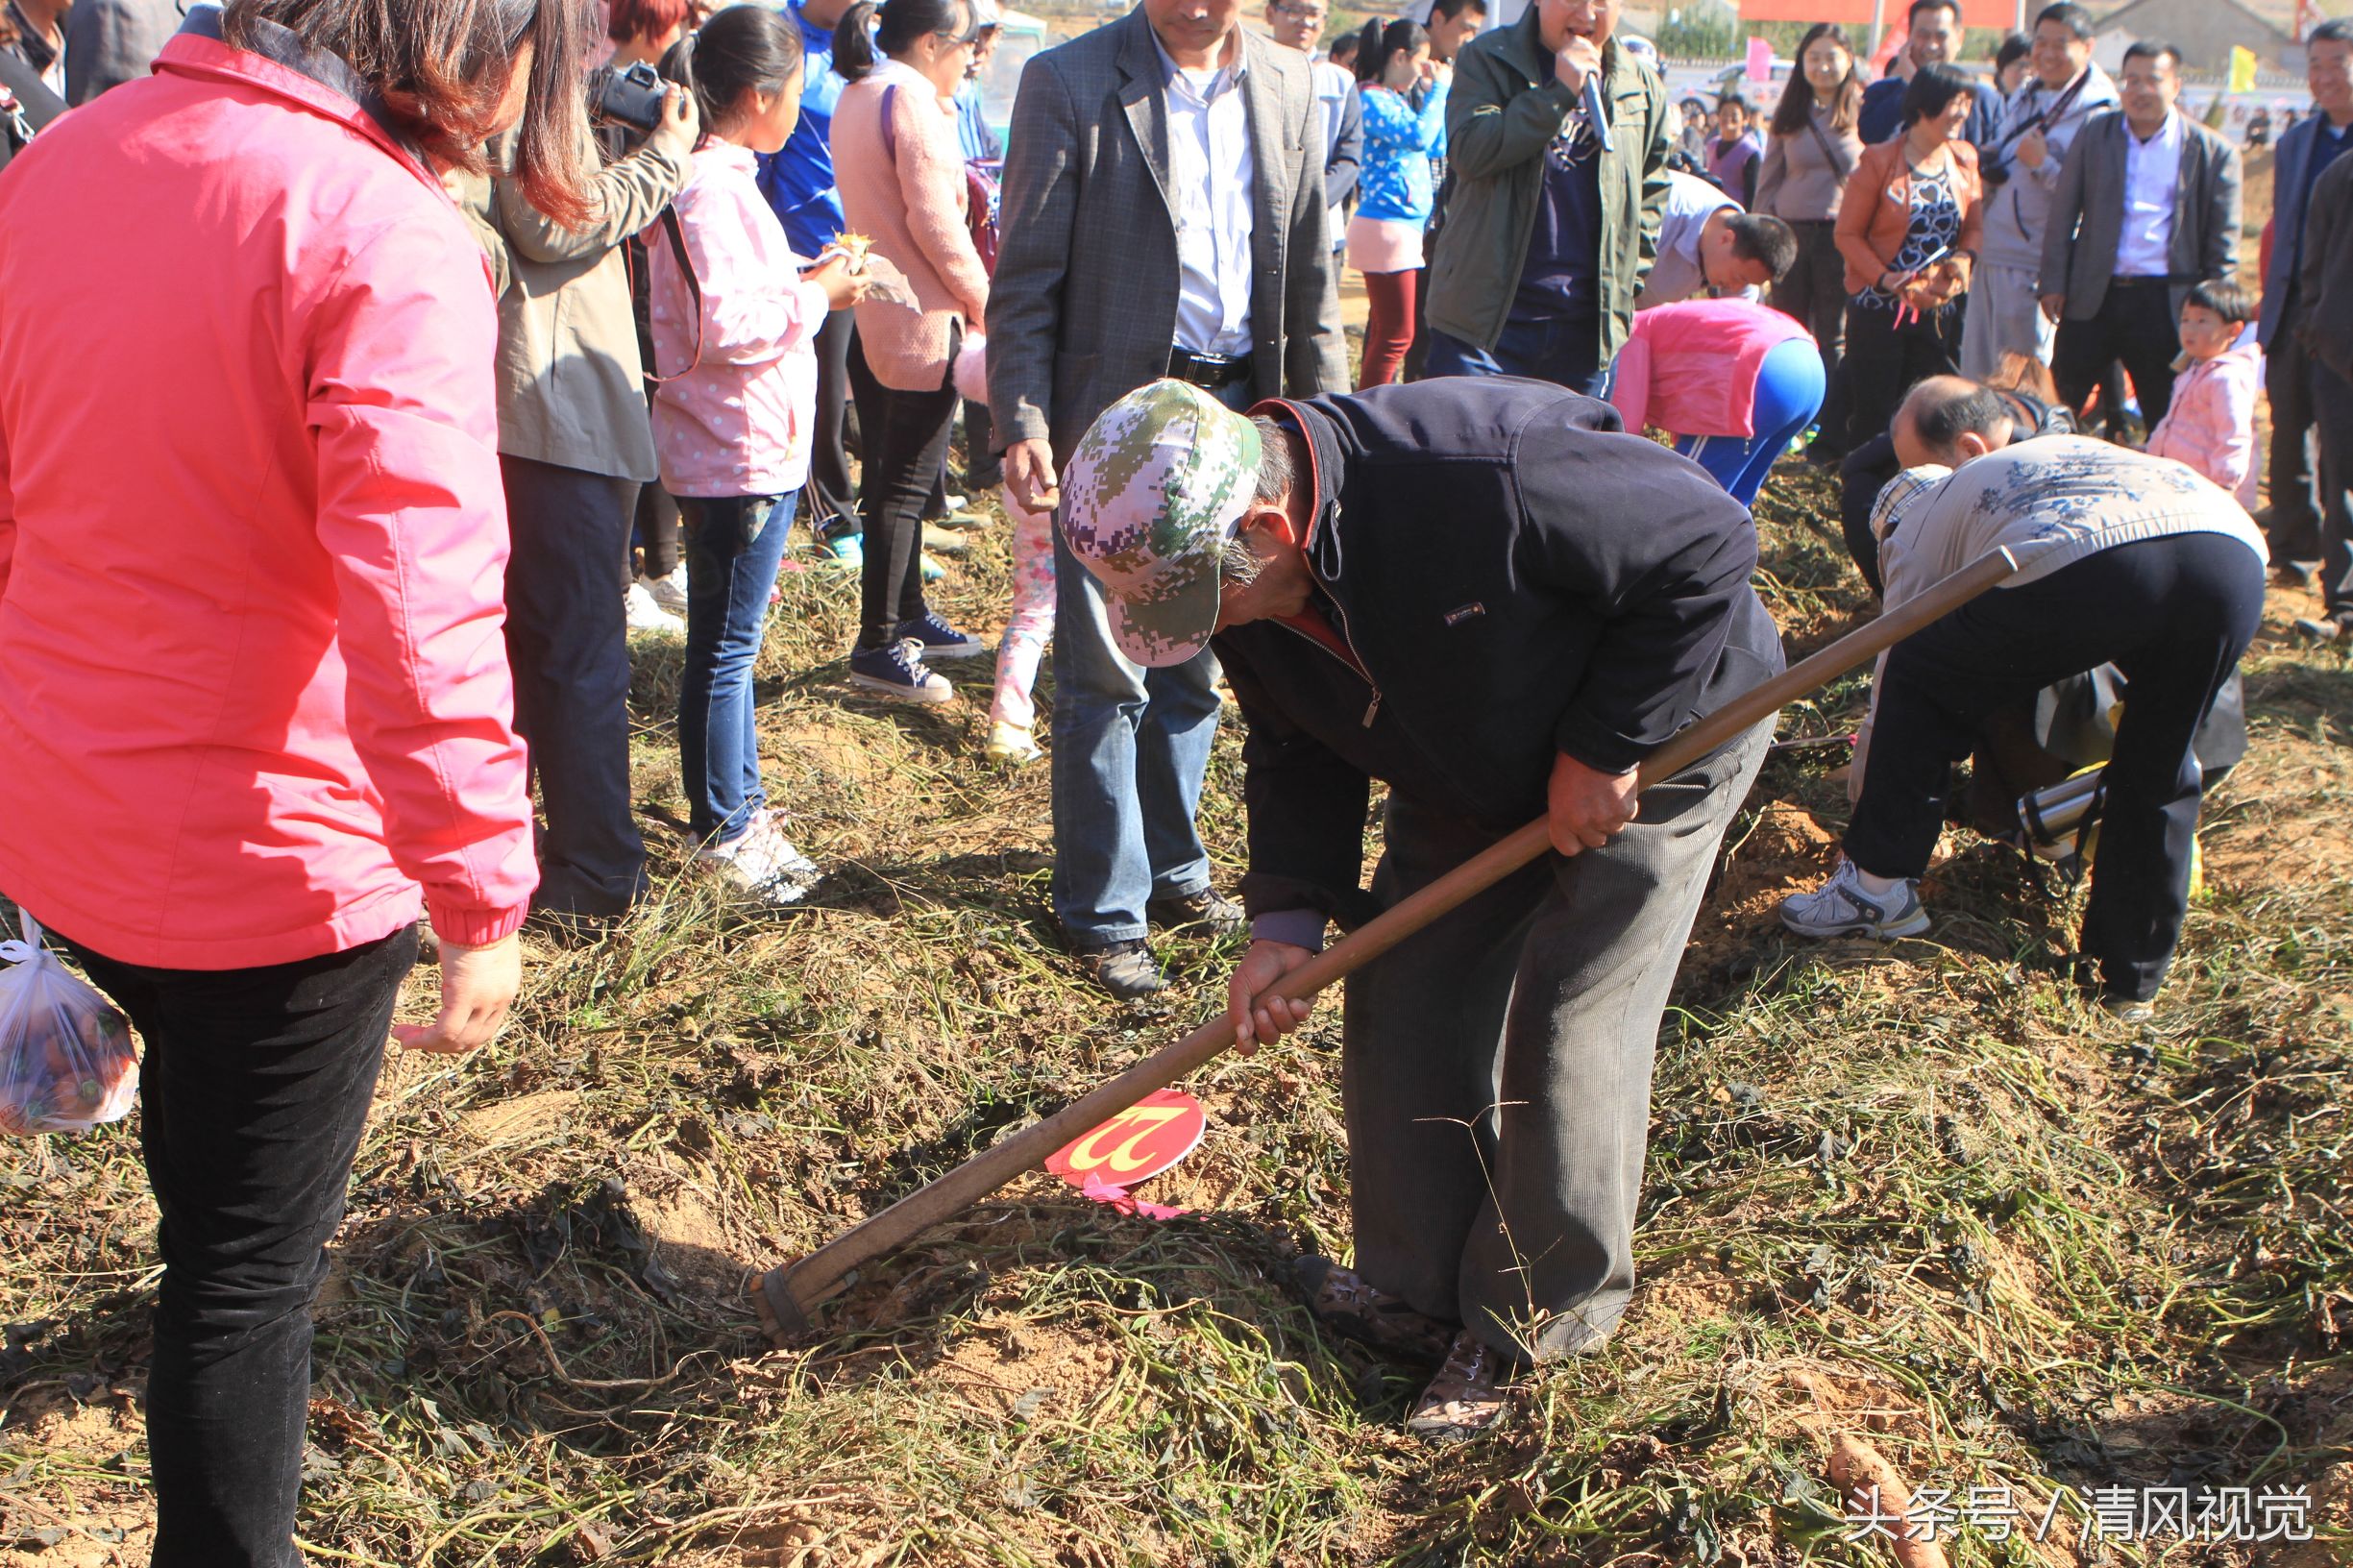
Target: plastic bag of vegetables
[(65, 1057)]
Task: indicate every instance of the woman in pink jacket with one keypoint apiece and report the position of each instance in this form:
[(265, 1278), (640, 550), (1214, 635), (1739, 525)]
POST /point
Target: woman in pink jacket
[(900, 165), (255, 714), (1732, 381)]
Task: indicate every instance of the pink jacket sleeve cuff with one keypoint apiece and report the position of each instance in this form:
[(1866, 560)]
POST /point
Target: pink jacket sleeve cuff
[(473, 927)]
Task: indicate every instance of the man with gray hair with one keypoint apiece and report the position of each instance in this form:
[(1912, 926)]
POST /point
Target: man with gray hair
[(2126, 559), (2063, 87), (1590, 599), (1164, 215)]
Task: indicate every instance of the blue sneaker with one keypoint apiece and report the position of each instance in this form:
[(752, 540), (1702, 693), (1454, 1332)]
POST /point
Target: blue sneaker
[(843, 543), (896, 670), (940, 640)]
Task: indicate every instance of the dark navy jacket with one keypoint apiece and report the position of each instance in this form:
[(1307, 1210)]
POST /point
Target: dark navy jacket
[(1518, 577)]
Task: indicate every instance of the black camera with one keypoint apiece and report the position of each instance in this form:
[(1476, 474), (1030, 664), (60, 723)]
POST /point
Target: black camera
[(631, 96)]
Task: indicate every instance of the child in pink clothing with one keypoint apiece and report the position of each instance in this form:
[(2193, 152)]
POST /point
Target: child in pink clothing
[(731, 421), (2210, 424)]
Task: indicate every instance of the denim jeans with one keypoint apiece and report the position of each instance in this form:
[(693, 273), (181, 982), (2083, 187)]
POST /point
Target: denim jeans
[(728, 578), (253, 1090), (1131, 746), (1563, 350)]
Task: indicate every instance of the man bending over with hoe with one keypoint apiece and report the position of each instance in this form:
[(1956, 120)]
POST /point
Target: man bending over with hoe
[(1484, 594)]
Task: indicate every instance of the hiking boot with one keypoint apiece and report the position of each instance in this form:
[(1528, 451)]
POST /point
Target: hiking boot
[(897, 670), (2294, 573), (2323, 629), (1465, 1398), (1127, 969), (2127, 1009), (940, 640), (1218, 916), (1010, 745), (958, 517), (1841, 908), (1348, 1306)]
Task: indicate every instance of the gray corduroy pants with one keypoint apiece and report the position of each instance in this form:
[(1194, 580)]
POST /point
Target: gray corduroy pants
[(1496, 1066)]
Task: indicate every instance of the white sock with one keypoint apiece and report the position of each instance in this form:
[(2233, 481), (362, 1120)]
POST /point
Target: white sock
[(1878, 887)]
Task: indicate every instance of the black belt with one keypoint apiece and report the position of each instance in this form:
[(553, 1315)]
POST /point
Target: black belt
[(2141, 279), (1209, 370)]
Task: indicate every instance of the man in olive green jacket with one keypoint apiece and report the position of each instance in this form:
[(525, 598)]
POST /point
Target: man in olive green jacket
[(1554, 219)]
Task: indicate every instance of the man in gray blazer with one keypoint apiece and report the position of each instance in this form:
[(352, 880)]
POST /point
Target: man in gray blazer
[(1162, 215), (2307, 148), (2148, 206)]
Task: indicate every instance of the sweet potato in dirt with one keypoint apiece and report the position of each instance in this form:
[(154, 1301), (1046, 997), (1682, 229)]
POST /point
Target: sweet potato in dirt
[(67, 1062)]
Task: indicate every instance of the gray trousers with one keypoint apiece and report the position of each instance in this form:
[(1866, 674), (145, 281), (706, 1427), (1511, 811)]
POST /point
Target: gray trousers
[(1496, 1066), (2005, 316)]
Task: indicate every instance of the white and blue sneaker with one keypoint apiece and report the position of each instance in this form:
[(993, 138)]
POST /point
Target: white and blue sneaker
[(1842, 907), (897, 670), (940, 640)]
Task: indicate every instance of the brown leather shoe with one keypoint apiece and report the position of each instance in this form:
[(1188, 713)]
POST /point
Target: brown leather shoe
[(1465, 1398), (1371, 1316)]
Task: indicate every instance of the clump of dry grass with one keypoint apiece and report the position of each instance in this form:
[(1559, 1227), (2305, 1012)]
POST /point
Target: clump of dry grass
[(1920, 1194)]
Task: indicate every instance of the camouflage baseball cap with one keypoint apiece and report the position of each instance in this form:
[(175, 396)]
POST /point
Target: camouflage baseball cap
[(1149, 500)]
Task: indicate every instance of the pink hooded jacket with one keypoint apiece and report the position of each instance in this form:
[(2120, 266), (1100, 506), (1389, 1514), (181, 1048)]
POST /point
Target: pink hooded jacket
[(2210, 425), (253, 680), (1690, 369)]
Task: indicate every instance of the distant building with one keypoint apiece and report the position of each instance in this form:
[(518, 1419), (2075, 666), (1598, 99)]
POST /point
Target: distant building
[(2202, 29)]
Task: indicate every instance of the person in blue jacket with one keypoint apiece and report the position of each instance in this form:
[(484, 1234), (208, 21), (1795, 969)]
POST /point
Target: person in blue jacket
[(797, 181), (1393, 194)]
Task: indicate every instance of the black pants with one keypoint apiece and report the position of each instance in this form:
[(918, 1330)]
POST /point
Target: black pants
[(1884, 361), (2287, 382), (829, 500), (1814, 290), (904, 439), (1862, 475), (568, 642), (658, 533), (253, 1091), (2332, 406), (2135, 324), (2174, 614)]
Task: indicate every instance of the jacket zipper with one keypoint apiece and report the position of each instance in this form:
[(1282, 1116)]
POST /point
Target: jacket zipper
[(1373, 710)]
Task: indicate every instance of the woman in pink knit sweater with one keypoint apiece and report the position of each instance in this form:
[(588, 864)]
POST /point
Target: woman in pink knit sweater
[(901, 168), (2210, 425)]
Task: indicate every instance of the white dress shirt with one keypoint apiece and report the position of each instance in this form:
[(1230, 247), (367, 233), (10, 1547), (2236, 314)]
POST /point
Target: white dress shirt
[(2152, 175), (1210, 174)]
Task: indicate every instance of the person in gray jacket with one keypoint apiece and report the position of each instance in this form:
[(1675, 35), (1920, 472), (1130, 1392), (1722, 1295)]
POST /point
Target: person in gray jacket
[(2063, 89), (574, 446), (2148, 206), (1163, 214), (2306, 150), (109, 42), (2325, 324)]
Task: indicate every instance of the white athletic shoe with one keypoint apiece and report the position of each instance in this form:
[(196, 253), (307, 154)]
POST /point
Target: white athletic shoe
[(670, 592), (752, 862), (646, 617), (1841, 908)]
